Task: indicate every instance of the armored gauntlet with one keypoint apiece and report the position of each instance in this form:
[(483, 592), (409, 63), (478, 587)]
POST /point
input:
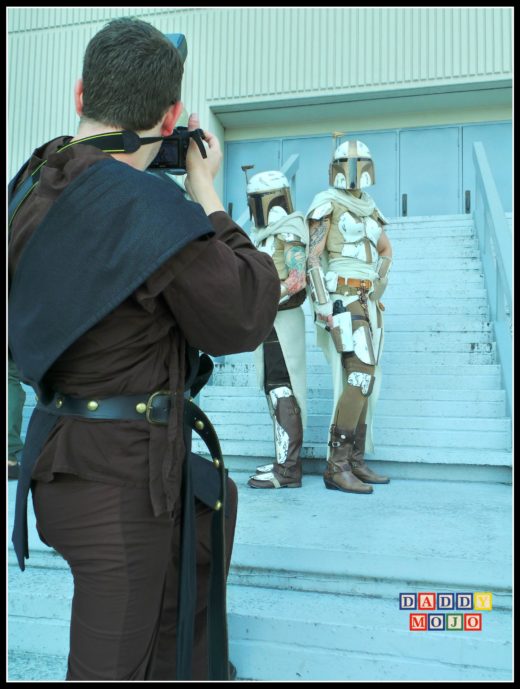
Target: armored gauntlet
[(380, 283)]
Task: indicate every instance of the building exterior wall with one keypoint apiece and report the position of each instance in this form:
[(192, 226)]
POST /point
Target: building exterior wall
[(256, 72)]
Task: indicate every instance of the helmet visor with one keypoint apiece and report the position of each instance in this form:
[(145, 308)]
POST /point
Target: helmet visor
[(357, 173), (261, 204)]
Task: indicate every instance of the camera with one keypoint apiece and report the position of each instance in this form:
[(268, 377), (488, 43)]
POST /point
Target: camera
[(172, 154)]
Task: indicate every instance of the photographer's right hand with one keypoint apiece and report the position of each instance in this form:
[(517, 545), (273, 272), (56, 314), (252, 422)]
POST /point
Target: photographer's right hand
[(202, 171)]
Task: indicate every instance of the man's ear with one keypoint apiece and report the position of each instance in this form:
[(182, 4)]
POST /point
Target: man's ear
[(170, 119), (78, 96)]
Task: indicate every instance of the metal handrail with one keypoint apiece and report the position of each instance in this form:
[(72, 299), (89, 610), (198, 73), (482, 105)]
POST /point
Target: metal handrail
[(495, 243)]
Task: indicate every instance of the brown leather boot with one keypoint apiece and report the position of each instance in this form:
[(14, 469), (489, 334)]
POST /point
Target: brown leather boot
[(338, 475), (357, 461), (286, 472)]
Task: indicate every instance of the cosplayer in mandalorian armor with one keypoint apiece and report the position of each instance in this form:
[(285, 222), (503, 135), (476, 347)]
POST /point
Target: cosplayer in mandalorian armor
[(348, 264), (280, 360)]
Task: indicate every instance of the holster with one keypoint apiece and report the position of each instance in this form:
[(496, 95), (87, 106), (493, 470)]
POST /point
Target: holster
[(341, 332)]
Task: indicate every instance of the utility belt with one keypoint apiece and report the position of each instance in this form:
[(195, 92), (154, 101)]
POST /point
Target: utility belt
[(352, 286), (154, 407)]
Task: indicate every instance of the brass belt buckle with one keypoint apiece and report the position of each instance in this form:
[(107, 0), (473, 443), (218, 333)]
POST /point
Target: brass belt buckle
[(149, 407)]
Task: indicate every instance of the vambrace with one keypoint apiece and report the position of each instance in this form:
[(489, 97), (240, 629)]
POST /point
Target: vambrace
[(319, 292)]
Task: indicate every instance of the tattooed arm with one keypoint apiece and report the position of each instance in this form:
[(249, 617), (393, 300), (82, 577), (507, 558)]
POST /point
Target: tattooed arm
[(318, 231), (294, 256)]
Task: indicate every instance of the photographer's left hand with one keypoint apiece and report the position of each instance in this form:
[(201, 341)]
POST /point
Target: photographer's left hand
[(202, 171)]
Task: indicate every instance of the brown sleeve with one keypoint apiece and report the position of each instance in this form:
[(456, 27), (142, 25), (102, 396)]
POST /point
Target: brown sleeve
[(222, 291)]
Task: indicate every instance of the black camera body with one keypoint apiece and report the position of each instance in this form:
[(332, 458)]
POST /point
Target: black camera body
[(172, 154)]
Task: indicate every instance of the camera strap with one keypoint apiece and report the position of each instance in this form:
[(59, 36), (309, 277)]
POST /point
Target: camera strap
[(124, 141), (109, 143)]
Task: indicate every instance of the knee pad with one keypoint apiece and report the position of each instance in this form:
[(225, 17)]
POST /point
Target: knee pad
[(277, 393), (362, 380)]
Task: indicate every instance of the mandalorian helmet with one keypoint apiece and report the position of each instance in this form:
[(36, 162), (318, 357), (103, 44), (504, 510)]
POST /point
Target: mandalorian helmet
[(352, 166), (268, 198)]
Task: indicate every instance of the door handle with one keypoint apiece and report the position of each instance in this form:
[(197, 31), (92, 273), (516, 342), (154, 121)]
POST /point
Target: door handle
[(467, 201), (404, 204), (230, 209)]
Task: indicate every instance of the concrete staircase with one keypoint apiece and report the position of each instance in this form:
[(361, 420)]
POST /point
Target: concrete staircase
[(441, 411), (315, 578)]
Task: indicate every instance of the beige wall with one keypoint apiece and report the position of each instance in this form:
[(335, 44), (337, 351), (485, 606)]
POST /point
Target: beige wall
[(258, 72)]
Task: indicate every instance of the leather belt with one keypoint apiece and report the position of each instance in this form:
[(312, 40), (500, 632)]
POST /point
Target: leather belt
[(154, 407), (353, 282), (352, 286)]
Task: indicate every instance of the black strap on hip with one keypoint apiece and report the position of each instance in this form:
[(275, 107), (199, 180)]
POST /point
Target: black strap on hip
[(217, 616), (218, 661)]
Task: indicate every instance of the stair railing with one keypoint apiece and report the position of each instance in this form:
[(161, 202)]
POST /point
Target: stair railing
[(495, 243)]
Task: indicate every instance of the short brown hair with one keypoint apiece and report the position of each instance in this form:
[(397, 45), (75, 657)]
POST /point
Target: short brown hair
[(131, 74)]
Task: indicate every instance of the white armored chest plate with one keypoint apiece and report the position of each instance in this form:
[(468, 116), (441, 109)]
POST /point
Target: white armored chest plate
[(353, 232)]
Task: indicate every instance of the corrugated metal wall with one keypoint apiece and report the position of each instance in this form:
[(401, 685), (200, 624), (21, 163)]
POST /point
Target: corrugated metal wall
[(248, 55), (287, 51)]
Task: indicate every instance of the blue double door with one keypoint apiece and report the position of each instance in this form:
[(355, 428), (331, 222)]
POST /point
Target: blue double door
[(421, 171)]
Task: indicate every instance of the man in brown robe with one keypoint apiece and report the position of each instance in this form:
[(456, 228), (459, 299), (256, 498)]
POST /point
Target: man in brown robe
[(107, 491)]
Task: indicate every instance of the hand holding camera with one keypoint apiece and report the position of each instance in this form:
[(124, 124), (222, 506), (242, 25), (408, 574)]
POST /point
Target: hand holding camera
[(202, 171)]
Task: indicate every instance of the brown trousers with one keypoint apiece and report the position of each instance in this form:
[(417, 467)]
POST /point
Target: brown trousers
[(124, 562)]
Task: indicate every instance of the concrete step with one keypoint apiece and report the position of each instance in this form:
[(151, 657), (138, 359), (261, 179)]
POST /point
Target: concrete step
[(296, 566), (480, 356), (438, 324), (431, 232), (457, 279), (314, 464), (456, 247), (443, 291), (432, 264), (391, 368), (431, 227), (425, 245), (440, 341), (435, 307), (432, 433), (35, 667), (315, 356), (389, 380), (381, 422), (440, 234), (411, 223), (362, 634), (444, 458), (421, 408), (396, 394), (334, 627), (345, 646)]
